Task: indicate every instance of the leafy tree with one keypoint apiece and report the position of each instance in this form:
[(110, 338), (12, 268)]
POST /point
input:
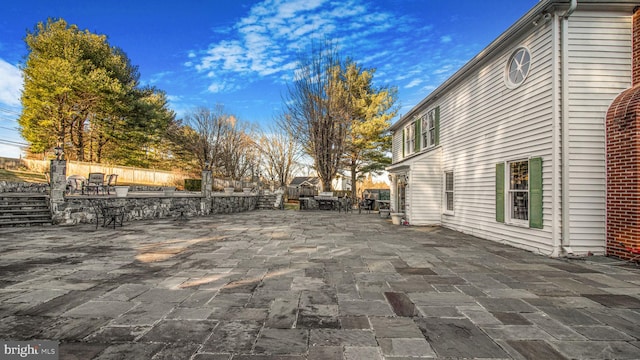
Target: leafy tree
[(67, 74), (140, 138), (370, 112), (337, 114), (82, 93)]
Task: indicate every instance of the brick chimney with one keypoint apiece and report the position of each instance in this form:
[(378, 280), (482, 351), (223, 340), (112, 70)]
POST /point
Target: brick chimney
[(623, 163), (636, 47)]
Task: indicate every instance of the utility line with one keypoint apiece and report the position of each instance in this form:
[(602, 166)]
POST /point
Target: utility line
[(9, 111), (13, 143)]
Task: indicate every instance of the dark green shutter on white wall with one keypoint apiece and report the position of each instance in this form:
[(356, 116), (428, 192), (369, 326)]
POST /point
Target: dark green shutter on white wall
[(437, 126), (404, 140), (500, 192), (417, 136), (535, 193)]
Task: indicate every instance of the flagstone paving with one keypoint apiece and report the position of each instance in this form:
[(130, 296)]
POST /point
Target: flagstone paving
[(313, 285)]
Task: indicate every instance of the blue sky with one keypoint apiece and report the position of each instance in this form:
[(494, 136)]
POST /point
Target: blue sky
[(242, 53)]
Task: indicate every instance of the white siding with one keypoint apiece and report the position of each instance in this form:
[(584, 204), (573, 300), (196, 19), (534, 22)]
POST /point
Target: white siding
[(424, 193), (482, 123), (396, 147), (599, 69)]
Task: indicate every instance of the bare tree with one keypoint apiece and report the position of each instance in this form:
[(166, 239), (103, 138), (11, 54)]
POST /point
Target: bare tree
[(280, 153), (315, 110), (208, 129), (239, 152)]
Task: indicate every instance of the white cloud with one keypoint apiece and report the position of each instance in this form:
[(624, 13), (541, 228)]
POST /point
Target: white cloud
[(266, 42), (413, 83), (446, 39), (11, 84)]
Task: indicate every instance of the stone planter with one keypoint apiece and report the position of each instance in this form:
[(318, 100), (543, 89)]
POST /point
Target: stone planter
[(121, 191), (384, 213), (169, 191), (228, 190), (396, 218)]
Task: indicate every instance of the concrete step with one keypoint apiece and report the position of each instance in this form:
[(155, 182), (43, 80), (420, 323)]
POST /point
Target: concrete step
[(24, 209)]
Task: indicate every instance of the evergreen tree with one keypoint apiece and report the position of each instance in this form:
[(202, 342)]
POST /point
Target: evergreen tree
[(81, 93)]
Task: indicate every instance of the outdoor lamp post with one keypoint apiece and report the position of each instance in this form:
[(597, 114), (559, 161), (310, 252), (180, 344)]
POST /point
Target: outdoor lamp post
[(59, 152)]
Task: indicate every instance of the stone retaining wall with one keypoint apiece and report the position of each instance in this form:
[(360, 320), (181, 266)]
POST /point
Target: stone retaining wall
[(23, 187), (76, 210)]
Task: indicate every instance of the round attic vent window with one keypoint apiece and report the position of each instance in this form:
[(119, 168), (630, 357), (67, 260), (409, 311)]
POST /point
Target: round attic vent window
[(518, 67)]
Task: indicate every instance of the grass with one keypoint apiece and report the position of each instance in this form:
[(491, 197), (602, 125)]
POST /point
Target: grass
[(22, 176), (291, 206)]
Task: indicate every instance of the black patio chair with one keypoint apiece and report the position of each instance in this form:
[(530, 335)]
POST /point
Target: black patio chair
[(108, 214), (95, 183), (345, 204), (112, 180), (366, 205)]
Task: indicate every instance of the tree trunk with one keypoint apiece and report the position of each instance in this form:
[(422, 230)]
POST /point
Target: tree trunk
[(354, 190)]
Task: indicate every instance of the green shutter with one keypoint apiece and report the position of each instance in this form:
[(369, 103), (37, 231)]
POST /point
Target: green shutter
[(437, 124), (500, 192), (417, 137), (403, 142), (535, 193)]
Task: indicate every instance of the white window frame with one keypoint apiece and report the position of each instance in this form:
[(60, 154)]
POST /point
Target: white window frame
[(518, 67), (410, 139), (449, 193), (513, 192), (428, 129)]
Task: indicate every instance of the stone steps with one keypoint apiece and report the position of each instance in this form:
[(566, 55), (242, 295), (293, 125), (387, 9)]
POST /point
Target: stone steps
[(266, 202), (24, 209)]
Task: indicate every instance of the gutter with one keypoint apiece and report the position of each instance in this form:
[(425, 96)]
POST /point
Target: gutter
[(528, 20), (564, 128)]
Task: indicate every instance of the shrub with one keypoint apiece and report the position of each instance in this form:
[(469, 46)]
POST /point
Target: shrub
[(192, 184)]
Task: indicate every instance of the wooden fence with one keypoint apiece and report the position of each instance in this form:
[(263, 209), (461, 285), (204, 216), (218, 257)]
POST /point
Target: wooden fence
[(126, 174), (294, 193)]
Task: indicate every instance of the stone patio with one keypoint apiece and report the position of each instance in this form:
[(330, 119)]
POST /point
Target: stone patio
[(308, 285)]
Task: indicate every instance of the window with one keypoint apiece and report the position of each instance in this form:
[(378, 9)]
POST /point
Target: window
[(518, 67), (448, 191), (520, 202), (519, 191), (422, 133), (409, 139), (429, 129)]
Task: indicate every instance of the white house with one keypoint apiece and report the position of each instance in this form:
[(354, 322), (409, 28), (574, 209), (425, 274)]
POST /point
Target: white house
[(511, 148), (341, 182)]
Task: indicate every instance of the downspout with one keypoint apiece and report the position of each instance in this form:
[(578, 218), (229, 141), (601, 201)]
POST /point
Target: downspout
[(557, 178), (564, 98)]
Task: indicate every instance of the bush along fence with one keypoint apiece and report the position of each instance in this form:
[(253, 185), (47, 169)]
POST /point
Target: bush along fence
[(70, 210)]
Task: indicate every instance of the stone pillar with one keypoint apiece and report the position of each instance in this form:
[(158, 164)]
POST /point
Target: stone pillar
[(57, 186), (206, 187), (206, 184)]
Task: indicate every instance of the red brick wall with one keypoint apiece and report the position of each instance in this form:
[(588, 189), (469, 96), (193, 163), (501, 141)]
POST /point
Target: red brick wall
[(636, 47), (623, 174), (623, 163)]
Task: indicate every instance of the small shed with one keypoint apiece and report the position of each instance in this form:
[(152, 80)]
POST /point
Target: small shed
[(303, 186)]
